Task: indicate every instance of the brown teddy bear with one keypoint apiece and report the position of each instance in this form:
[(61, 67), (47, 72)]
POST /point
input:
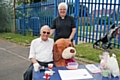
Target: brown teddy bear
[(63, 52)]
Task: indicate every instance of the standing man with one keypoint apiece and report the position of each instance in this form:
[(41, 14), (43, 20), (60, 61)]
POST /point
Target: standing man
[(40, 51), (63, 25)]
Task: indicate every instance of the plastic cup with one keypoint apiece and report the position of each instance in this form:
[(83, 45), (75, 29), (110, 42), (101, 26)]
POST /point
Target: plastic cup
[(47, 75), (105, 73), (36, 67), (50, 66)]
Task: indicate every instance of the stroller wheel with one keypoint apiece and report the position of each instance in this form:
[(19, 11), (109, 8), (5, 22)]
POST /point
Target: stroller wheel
[(104, 46), (94, 46), (110, 47)]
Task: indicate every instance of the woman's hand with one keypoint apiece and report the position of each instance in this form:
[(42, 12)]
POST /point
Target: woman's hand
[(68, 39)]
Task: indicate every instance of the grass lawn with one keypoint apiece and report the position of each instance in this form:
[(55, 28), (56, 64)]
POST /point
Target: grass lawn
[(17, 38), (84, 50)]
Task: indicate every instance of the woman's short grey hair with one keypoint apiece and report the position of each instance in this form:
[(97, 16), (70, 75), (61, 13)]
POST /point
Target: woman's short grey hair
[(62, 4)]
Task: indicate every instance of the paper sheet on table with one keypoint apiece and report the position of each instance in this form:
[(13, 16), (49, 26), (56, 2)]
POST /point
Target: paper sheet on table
[(92, 68), (74, 74)]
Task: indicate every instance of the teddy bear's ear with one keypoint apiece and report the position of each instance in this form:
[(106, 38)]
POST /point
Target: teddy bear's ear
[(56, 55)]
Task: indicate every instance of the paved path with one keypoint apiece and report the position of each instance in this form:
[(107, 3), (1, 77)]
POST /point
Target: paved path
[(13, 60)]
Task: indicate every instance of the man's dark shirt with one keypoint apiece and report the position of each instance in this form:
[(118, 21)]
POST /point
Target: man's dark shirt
[(63, 27)]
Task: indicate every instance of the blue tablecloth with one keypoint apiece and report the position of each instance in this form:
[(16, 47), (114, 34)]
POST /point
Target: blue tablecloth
[(55, 76)]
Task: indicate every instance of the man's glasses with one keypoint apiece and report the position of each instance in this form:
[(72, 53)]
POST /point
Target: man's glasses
[(44, 32)]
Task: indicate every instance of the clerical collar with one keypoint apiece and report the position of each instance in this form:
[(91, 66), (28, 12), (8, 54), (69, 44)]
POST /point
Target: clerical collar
[(63, 17)]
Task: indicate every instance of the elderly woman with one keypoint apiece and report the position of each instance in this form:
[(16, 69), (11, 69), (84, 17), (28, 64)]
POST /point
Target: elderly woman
[(63, 25)]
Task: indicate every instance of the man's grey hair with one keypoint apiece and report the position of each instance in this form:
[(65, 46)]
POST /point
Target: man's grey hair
[(62, 4), (44, 27)]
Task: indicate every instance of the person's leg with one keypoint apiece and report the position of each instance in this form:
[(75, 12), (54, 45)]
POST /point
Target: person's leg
[(28, 74)]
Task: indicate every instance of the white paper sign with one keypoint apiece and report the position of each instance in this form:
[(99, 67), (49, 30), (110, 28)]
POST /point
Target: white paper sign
[(74, 74), (92, 68)]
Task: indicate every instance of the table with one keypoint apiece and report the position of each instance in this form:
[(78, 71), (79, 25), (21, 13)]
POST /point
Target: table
[(39, 75)]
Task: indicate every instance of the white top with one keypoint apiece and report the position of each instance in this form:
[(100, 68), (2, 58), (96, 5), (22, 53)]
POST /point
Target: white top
[(42, 50)]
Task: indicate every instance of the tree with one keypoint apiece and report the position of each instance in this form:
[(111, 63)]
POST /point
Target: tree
[(28, 1), (35, 1), (22, 2), (6, 10)]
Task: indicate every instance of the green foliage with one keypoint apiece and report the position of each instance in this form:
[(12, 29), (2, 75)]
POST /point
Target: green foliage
[(45, 13), (29, 12), (29, 32), (17, 38), (19, 2), (88, 23), (35, 1), (6, 15), (103, 19), (86, 51)]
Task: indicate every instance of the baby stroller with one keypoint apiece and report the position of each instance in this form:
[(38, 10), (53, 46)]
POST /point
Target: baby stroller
[(104, 42)]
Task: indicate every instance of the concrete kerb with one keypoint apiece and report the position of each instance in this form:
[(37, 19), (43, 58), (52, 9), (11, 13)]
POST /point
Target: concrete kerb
[(84, 61)]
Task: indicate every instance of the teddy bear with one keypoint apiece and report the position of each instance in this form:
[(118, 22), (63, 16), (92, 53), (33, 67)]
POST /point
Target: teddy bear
[(63, 52)]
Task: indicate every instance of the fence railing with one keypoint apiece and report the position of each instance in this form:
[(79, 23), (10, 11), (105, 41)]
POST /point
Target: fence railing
[(95, 17), (101, 15), (33, 16)]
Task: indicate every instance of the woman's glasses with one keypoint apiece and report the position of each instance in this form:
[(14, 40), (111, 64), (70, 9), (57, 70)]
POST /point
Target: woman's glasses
[(44, 32)]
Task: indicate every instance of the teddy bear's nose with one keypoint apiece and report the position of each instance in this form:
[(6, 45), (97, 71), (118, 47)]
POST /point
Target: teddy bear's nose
[(72, 50)]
